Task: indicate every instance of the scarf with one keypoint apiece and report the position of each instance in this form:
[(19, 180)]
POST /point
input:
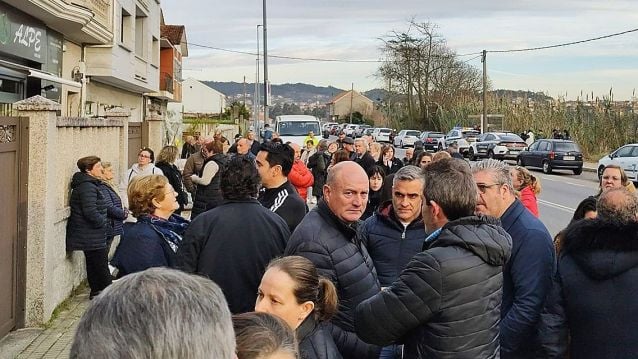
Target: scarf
[(170, 230)]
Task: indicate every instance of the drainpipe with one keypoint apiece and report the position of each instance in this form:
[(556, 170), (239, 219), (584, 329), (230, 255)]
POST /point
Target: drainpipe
[(83, 81)]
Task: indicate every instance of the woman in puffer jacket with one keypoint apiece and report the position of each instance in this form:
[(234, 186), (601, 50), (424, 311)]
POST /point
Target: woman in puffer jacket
[(87, 226)]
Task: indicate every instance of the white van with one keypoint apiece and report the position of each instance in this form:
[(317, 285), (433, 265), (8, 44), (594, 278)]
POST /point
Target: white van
[(295, 128)]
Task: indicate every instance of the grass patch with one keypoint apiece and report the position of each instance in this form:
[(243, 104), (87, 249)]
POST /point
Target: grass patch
[(65, 304)]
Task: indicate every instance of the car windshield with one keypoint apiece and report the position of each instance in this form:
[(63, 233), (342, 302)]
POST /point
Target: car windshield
[(412, 133), (435, 135), (512, 138), (297, 128), (566, 147), (471, 134), (385, 130)]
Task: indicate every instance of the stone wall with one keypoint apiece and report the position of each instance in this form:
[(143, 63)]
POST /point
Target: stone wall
[(55, 144)]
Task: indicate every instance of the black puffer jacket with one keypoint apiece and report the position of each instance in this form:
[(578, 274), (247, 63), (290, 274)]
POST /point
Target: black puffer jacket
[(338, 253), (175, 179), (315, 341), (390, 244), (593, 301), (209, 196), (446, 303), (87, 226)]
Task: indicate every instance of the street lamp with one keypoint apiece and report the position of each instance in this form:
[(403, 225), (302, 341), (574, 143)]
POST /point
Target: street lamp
[(266, 104)]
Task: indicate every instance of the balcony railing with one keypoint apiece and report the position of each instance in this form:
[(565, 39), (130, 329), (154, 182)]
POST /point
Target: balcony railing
[(166, 82)]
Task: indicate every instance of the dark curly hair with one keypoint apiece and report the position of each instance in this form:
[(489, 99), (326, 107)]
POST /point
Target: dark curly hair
[(240, 179)]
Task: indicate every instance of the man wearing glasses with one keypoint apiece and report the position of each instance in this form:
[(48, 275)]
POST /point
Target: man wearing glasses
[(527, 276)]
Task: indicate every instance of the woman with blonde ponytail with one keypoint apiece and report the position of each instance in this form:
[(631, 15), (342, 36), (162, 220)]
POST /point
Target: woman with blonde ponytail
[(292, 289), (528, 187)]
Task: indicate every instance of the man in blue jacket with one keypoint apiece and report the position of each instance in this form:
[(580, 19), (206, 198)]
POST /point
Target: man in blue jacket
[(527, 277)]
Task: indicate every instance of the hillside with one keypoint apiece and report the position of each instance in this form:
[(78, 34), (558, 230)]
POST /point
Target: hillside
[(298, 92)]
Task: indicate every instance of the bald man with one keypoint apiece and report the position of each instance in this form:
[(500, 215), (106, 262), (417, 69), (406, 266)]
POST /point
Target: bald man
[(328, 237)]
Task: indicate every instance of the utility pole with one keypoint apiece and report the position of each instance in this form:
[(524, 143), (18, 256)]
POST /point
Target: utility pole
[(266, 90), (244, 91), (256, 101), (484, 117), (351, 96)]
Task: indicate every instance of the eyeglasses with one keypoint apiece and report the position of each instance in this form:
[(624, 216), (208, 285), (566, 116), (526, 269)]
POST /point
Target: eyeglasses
[(482, 187), (143, 156)]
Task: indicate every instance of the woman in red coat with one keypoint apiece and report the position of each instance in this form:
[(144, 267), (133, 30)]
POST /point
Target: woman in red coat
[(300, 176), (528, 188)]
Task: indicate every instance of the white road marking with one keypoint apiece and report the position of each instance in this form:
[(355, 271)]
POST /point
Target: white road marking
[(557, 206), (558, 179)]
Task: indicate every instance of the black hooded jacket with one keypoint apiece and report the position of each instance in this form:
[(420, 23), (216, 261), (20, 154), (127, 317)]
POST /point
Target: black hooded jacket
[(286, 202), (87, 225), (446, 303), (594, 300), (337, 251)]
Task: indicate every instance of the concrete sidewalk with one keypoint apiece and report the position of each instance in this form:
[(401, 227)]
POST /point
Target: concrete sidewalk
[(52, 342)]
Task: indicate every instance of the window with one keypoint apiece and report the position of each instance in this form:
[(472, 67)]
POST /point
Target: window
[(155, 56), (543, 146), (125, 27), (566, 147), (624, 151), (140, 33)]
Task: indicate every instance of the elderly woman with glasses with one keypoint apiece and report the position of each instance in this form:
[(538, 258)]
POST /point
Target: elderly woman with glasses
[(154, 239), (144, 166)]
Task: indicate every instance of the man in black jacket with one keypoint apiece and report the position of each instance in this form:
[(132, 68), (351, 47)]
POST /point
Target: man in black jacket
[(446, 302), (362, 157), (233, 243), (274, 162), (328, 237)]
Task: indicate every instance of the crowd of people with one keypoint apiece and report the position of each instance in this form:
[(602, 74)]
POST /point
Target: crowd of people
[(341, 250)]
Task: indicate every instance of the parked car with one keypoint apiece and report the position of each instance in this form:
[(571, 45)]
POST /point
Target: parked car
[(463, 136), (406, 138), (349, 130), (359, 131), (381, 134), (550, 154), (625, 157), (368, 131), (430, 140), (499, 145)]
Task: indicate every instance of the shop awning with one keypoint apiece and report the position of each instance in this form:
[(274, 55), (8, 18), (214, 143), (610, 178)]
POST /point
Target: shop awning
[(30, 71)]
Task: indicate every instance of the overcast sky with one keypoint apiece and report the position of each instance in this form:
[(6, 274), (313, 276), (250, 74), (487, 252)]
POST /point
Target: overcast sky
[(350, 29)]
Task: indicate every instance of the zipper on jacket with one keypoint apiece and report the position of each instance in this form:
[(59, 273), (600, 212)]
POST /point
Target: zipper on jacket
[(403, 234)]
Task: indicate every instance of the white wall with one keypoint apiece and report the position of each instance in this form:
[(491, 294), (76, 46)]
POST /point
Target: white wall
[(199, 98)]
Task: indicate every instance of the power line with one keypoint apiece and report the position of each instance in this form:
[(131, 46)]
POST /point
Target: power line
[(565, 44)]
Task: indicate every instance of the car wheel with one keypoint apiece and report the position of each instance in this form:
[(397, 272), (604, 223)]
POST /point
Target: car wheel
[(601, 169), (519, 162), (578, 171), (547, 168), (470, 154), (490, 154)]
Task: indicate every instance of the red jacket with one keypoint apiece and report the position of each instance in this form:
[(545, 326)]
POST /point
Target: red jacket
[(301, 177), (528, 198)]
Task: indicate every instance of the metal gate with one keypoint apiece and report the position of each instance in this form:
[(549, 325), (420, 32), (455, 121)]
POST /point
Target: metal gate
[(13, 177)]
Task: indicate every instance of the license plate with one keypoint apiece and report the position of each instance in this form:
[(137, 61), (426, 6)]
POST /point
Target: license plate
[(569, 158), (515, 152)]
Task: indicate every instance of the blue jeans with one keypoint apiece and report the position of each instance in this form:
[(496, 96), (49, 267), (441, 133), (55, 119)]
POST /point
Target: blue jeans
[(391, 352)]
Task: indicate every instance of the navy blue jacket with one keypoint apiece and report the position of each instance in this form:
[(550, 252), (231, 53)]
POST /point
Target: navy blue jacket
[(527, 281), (140, 248), (390, 244), (114, 211)]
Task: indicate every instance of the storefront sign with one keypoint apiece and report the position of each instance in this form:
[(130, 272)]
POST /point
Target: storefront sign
[(22, 36)]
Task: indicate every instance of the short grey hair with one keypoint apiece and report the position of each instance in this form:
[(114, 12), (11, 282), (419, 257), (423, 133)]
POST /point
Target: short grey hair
[(363, 141), (617, 205), (500, 171), (157, 313), (449, 183), (408, 173)]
